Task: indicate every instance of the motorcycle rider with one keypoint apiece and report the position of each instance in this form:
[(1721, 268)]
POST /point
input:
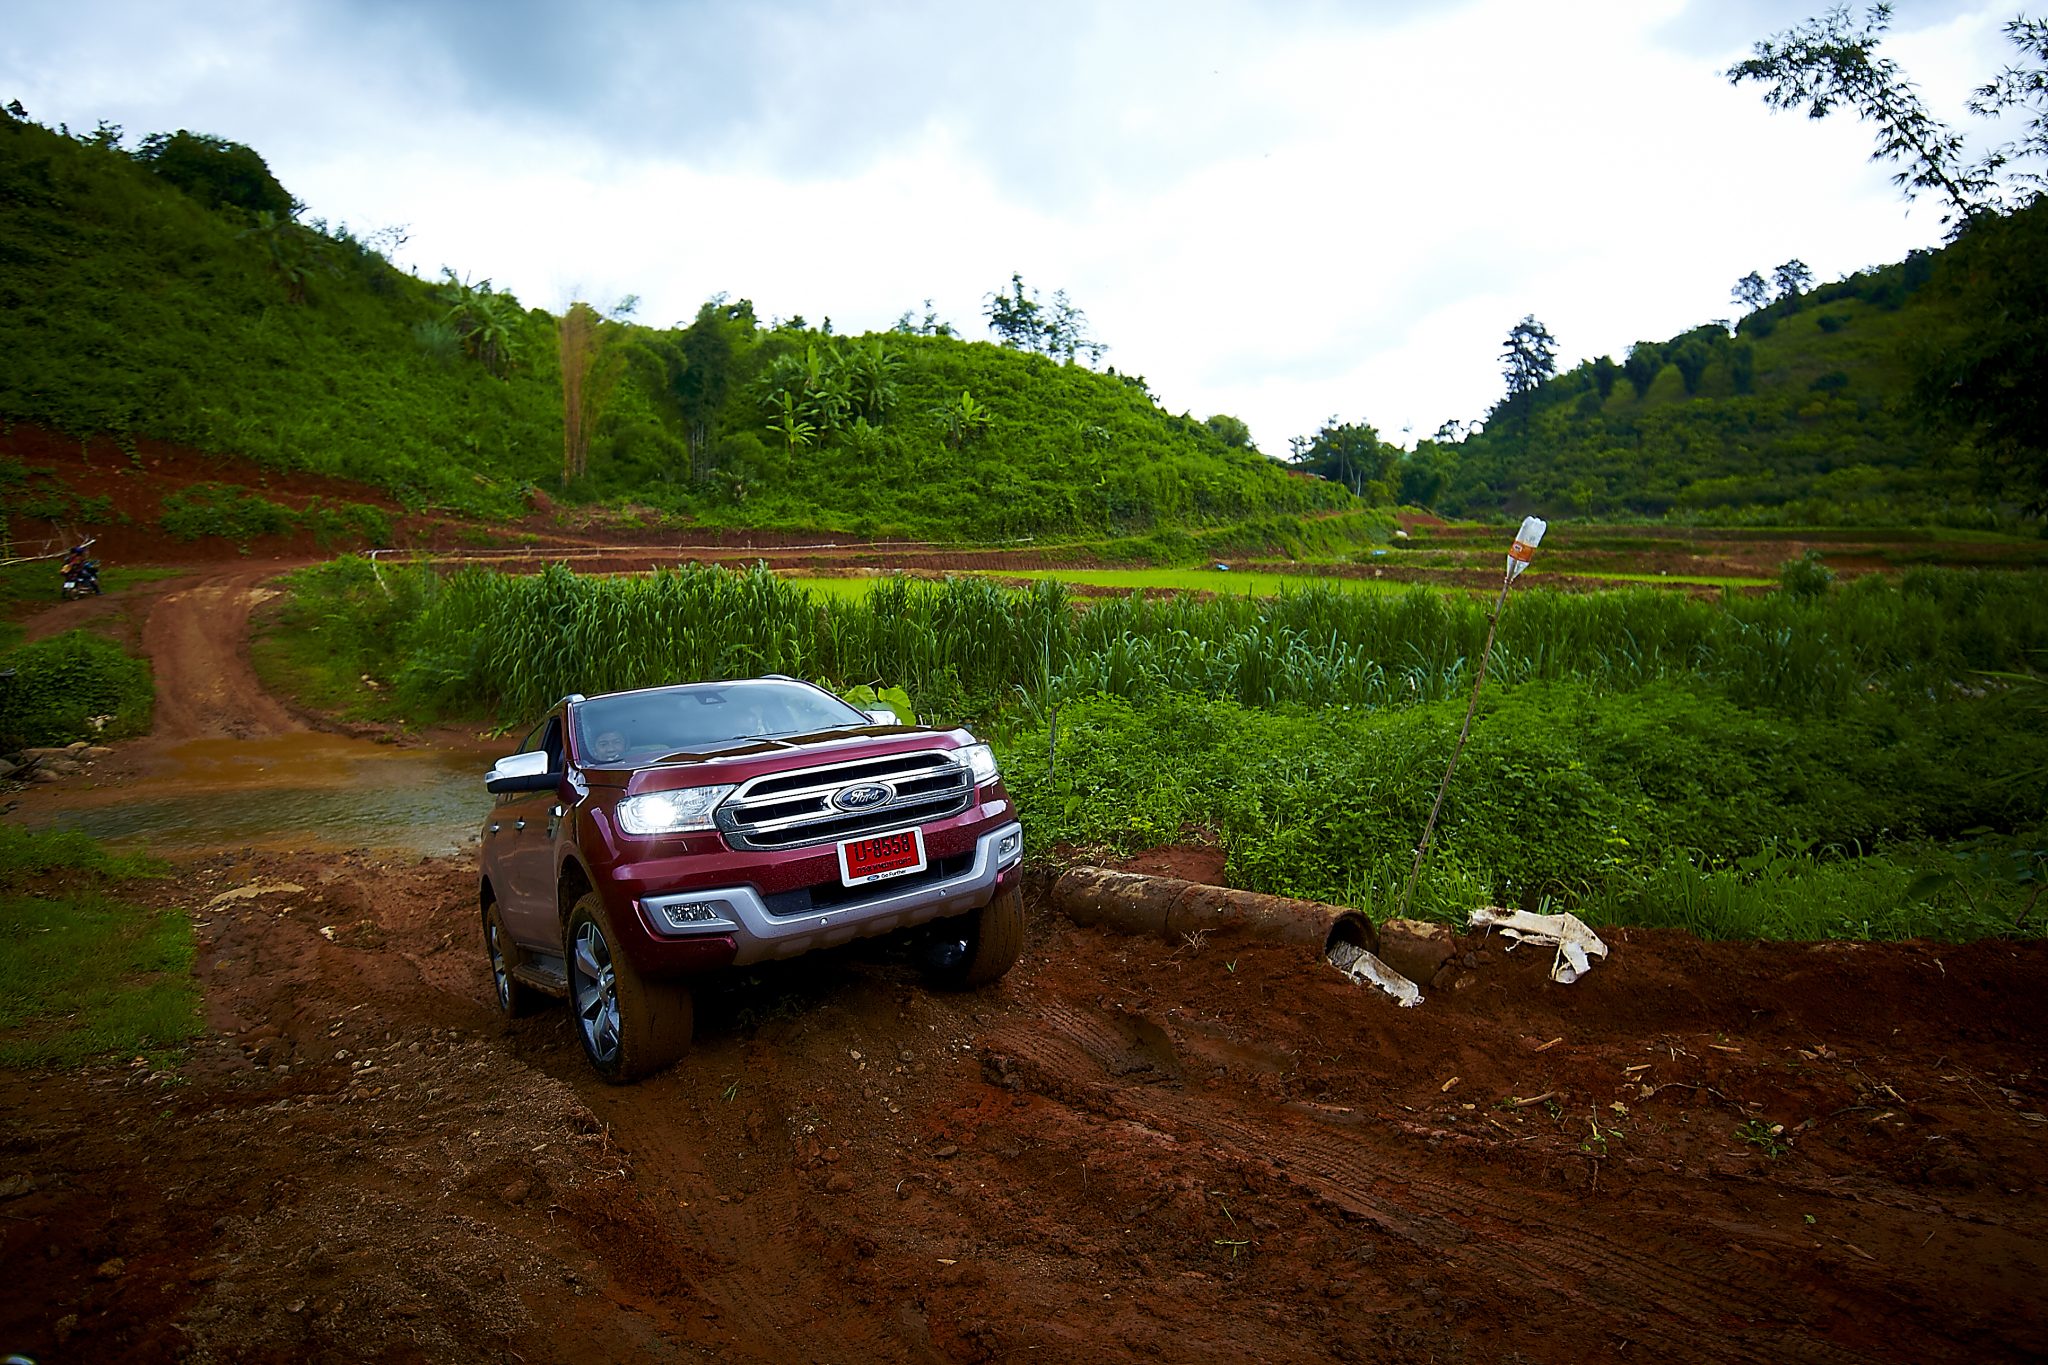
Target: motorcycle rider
[(81, 575)]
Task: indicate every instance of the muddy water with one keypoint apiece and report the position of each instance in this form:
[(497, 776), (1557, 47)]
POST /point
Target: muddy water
[(299, 792)]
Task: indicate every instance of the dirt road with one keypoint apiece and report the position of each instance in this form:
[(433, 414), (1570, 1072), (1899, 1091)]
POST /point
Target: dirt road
[(1128, 1150)]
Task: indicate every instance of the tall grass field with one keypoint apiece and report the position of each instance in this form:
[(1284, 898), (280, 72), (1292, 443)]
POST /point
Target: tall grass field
[(1871, 742)]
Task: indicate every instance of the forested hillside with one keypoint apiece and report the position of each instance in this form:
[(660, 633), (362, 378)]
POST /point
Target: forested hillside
[(1898, 393), (170, 290)]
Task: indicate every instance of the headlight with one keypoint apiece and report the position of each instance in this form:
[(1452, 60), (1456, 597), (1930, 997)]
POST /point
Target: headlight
[(671, 812), (980, 760)]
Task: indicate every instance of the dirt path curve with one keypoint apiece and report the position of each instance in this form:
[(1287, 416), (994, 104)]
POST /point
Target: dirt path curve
[(197, 639)]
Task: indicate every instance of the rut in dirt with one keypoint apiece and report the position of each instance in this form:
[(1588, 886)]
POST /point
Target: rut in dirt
[(196, 637)]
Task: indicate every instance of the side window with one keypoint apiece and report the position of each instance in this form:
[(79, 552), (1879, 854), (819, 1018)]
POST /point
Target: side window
[(546, 738)]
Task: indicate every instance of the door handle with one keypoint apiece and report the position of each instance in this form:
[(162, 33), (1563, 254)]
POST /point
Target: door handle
[(519, 824)]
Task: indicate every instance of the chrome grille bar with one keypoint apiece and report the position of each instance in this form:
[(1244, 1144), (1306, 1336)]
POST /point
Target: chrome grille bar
[(794, 809)]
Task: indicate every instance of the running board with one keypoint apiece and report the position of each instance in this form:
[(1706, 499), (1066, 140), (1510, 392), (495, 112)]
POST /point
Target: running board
[(544, 972)]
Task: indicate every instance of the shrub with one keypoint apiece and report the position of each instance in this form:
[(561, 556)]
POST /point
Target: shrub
[(1807, 576), (71, 687)]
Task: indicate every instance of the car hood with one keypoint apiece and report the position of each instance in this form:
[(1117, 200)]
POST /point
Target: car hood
[(744, 758)]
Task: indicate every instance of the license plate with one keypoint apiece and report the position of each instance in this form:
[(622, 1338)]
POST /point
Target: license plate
[(880, 856)]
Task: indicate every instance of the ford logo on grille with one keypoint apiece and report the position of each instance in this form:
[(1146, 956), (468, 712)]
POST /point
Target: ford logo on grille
[(863, 796)]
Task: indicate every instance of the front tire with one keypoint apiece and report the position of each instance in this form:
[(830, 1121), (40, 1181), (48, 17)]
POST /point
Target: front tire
[(516, 999), (629, 1026), (995, 940)]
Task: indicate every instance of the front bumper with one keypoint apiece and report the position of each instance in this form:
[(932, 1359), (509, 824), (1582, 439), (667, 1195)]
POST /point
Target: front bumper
[(738, 914)]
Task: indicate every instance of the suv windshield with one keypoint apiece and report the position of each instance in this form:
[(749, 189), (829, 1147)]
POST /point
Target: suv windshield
[(638, 726)]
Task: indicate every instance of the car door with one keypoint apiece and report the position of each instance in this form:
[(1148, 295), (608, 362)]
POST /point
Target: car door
[(525, 849)]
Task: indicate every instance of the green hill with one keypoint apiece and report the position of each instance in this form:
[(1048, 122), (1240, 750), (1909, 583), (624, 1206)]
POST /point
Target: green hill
[(1830, 406), (160, 292)]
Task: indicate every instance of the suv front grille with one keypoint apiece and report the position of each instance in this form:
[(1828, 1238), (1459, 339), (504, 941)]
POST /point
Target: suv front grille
[(794, 809)]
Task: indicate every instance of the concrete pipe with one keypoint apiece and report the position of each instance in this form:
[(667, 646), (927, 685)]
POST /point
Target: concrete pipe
[(1166, 908)]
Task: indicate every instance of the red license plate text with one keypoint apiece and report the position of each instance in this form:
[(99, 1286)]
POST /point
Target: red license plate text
[(878, 856)]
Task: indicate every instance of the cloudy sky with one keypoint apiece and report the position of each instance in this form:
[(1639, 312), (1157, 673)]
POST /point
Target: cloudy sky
[(1284, 210)]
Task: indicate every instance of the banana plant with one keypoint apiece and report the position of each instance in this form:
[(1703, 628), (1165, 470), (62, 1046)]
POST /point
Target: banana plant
[(789, 424), (961, 422), (484, 318)]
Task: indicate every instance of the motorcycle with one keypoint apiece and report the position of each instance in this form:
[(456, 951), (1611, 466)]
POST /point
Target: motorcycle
[(81, 575)]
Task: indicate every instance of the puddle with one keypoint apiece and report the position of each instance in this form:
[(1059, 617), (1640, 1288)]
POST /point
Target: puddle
[(296, 792)]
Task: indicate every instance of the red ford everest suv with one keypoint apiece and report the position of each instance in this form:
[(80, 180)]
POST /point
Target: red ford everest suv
[(641, 838)]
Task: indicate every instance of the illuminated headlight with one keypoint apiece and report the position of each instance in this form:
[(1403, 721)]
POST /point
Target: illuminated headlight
[(981, 761), (671, 812)]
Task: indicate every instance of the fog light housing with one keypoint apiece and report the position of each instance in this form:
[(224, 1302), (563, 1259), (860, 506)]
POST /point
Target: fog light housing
[(680, 914), (1010, 847)]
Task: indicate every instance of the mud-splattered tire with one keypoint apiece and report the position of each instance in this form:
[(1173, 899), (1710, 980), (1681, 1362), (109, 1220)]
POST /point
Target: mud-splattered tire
[(629, 1027), (995, 939), (516, 999)]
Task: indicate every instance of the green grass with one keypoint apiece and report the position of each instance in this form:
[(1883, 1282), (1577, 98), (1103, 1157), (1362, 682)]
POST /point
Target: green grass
[(1235, 582), (1983, 888), (474, 641), (36, 583), (1663, 806), (73, 686), (301, 664), (1252, 583), (83, 974), (1613, 576)]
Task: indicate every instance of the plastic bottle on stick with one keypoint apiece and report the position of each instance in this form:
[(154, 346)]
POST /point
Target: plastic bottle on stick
[(1524, 548)]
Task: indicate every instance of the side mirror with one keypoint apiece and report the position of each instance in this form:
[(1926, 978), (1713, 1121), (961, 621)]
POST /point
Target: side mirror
[(882, 715), (526, 772)]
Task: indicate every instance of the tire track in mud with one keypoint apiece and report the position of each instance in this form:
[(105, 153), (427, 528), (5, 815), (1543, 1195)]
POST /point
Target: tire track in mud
[(768, 1255), (197, 641), (1681, 1291)]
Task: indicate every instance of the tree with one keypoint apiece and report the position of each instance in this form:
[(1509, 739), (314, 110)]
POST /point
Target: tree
[(1752, 291), (1022, 323), (216, 172), (1066, 332), (795, 432), (1986, 375), (1605, 372), (709, 347), (928, 326), (1528, 358), (2019, 87), (484, 319), (1645, 362), (1352, 454), (1692, 355), (1828, 62), (1231, 431), (1792, 278), (1014, 317), (1742, 368), (870, 368), (590, 369)]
